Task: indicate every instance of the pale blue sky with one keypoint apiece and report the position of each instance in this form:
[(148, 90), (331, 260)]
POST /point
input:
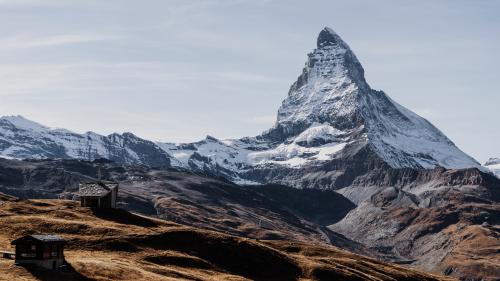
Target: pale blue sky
[(179, 70)]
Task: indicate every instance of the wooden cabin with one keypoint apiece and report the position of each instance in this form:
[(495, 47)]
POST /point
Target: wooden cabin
[(44, 250), (98, 194)]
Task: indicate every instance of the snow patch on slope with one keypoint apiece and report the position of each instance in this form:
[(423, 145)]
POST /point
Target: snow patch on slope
[(320, 142), (404, 139), (318, 133)]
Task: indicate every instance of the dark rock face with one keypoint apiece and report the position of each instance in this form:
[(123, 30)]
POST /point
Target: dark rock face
[(428, 218)]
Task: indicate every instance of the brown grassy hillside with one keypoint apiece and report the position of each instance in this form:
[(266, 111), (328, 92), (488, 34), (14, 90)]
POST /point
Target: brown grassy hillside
[(118, 245)]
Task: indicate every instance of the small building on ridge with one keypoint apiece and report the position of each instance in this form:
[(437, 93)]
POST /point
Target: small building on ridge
[(98, 194)]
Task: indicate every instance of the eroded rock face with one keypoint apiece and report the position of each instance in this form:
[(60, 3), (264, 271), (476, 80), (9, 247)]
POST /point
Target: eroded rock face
[(439, 220)]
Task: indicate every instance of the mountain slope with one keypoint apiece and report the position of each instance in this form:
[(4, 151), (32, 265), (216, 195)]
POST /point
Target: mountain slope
[(452, 227), (21, 138), (117, 245), (443, 221), (266, 212)]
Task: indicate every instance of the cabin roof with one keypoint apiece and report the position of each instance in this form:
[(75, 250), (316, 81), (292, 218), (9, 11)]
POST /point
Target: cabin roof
[(96, 189), (48, 238)]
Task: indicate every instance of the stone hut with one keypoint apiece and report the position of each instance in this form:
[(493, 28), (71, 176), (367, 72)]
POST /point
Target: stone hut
[(98, 194)]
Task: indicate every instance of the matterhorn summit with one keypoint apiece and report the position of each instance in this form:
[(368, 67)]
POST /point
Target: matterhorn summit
[(331, 129), (327, 90), (331, 122)]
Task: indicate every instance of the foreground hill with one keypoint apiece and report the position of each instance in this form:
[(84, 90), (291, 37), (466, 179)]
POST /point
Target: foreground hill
[(118, 245), (443, 221)]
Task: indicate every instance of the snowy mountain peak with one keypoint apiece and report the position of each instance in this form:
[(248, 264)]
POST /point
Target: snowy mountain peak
[(492, 161), (328, 37), (332, 91), (328, 89), (493, 164), (20, 122)]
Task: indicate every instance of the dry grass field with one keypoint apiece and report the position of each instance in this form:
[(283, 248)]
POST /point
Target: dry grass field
[(118, 245)]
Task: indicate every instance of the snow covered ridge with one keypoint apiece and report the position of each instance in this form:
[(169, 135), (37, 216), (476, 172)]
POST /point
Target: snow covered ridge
[(21, 138), (330, 114), (493, 164), (318, 143)]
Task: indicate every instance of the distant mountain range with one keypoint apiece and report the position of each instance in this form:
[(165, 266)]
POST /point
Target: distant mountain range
[(24, 139)]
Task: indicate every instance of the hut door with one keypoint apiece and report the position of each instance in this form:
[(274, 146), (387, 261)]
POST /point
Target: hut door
[(54, 265)]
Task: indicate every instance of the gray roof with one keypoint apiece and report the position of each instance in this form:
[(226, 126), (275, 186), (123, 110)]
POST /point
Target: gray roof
[(96, 189), (48, 237), (41, 237)]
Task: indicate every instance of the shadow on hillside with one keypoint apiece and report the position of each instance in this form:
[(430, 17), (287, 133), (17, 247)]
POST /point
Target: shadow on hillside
[(67, 273), (252, 260), (123, 217)]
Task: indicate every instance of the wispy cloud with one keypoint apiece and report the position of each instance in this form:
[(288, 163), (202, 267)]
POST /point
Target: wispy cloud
[(67, 39), (34, 78), (25, 3), (30, 41)]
